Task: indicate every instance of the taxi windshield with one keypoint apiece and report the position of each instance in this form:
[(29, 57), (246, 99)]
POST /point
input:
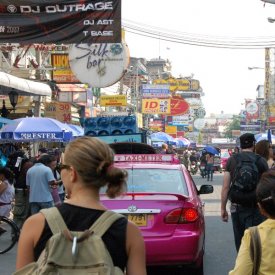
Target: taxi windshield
[(156, 181)]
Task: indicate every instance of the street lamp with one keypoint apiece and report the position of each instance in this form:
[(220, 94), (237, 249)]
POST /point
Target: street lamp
[(255, 68), (13, 96), (271, 20)]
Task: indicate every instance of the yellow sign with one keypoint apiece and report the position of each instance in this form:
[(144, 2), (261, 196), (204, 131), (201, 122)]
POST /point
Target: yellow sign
[(170, 129), (59, 111), (139, 120), (62, 73), (113, 100), (156, 106), (182, 84)]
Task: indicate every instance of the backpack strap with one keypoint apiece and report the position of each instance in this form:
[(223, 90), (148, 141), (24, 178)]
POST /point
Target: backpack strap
[(54, 219), (255, 249), (102, 224)]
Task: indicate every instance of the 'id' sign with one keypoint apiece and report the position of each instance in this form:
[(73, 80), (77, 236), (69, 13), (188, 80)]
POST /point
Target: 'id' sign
[(156, 106)]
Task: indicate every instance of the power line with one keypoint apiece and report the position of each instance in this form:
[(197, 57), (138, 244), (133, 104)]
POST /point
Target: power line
[(199, 40)]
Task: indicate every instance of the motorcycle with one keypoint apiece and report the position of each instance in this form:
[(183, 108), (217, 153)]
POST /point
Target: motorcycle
[(202, 169), (194, 168)]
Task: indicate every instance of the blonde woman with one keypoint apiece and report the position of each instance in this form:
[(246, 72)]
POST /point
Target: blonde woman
[(87, 166)]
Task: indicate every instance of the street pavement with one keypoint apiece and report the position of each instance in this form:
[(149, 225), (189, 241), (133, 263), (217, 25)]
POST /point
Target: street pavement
[(220, 250)]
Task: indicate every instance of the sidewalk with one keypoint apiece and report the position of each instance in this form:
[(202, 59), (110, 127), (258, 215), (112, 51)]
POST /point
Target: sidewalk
[(7, 260)]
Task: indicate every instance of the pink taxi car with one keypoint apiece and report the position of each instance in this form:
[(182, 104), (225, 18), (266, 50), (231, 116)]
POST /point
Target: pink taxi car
[(164, 202)]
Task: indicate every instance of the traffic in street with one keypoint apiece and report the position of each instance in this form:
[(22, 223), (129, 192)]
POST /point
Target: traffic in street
[(220, 251)]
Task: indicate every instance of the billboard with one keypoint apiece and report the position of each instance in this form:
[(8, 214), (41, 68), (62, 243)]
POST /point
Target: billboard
[(62, 72), (155, 91), (51, 21), (156, 106), (113, 100)]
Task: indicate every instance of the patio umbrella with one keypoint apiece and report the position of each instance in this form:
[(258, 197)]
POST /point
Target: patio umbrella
[(182, 142), (162, 136), (4, 121), (212, 150), (36, 129), (262, 136), (77, 131)]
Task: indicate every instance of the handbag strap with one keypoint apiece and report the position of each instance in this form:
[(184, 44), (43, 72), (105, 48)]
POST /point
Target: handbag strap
[(255, 249)]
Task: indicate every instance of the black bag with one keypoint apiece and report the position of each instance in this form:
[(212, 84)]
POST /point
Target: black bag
[(245, 178)]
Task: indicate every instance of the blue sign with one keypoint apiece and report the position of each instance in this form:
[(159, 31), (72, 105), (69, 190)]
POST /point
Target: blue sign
[(155, 91), (121, 138)]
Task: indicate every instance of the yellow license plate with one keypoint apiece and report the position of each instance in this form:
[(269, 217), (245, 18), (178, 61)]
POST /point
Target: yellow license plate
[(138, 219)]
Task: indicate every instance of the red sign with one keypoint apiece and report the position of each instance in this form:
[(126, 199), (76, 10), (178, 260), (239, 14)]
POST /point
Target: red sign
[(178, 106)]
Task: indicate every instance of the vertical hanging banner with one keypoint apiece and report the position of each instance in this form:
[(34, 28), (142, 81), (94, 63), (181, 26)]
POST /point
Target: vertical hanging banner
[(252, 109), (67, 21)]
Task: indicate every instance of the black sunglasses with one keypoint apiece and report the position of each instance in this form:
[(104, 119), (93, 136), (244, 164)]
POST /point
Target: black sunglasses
[(63, 166)]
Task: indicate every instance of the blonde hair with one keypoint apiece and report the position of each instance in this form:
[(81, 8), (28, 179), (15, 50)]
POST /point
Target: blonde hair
[(93, 160)]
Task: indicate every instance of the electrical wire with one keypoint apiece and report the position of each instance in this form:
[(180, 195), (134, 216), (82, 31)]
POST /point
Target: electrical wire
[(199, 40)]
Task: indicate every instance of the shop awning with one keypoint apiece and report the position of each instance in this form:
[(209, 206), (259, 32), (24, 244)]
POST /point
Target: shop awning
[(23, 86)]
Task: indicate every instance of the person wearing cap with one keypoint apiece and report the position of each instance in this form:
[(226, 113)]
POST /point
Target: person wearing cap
[(243, 216)]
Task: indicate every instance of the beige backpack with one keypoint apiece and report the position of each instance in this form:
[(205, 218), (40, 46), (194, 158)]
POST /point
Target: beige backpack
[(70, 253)]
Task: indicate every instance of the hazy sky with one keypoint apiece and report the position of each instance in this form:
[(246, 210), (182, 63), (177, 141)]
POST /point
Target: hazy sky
[(223, 73)]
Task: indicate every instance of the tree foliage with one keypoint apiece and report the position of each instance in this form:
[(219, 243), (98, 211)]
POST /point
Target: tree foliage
[(234, 125)]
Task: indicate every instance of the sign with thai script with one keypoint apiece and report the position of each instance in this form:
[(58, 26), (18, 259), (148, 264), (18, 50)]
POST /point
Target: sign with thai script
[(155, 91), (70, 21), (113, 100)]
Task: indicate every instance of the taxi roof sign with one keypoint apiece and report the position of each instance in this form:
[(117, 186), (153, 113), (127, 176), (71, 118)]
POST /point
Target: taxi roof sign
[(144, 158)]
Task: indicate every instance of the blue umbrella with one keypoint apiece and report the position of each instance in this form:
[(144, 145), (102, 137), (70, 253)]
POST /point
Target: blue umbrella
[(77, 131), (212, 150), (36, 129), (162, 136)]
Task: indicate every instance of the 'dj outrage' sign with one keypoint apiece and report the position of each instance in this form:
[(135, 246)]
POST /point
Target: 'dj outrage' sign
[(67, 21)]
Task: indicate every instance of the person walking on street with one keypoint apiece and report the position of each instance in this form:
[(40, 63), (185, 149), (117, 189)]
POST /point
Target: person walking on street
[(86, 168), (6, 191), (265, 196), (240, 188), (263, 148), (209, 166), (40, 179)]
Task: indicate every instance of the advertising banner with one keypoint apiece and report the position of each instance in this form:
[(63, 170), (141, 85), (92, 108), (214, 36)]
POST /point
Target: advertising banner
[(59, 111), (178, 120), (179, 84), (155, 91), (252, 109), (70, 21), (113, 100), (156, 125), (121, 138), (250, 127), (156, 106), (178, 106), (170, 129), (62, 72)]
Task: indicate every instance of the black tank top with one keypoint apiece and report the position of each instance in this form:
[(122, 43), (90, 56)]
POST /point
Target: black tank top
[(79, 219)]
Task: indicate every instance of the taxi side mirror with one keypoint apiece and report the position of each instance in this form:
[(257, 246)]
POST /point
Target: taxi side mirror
[(206, 189)]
